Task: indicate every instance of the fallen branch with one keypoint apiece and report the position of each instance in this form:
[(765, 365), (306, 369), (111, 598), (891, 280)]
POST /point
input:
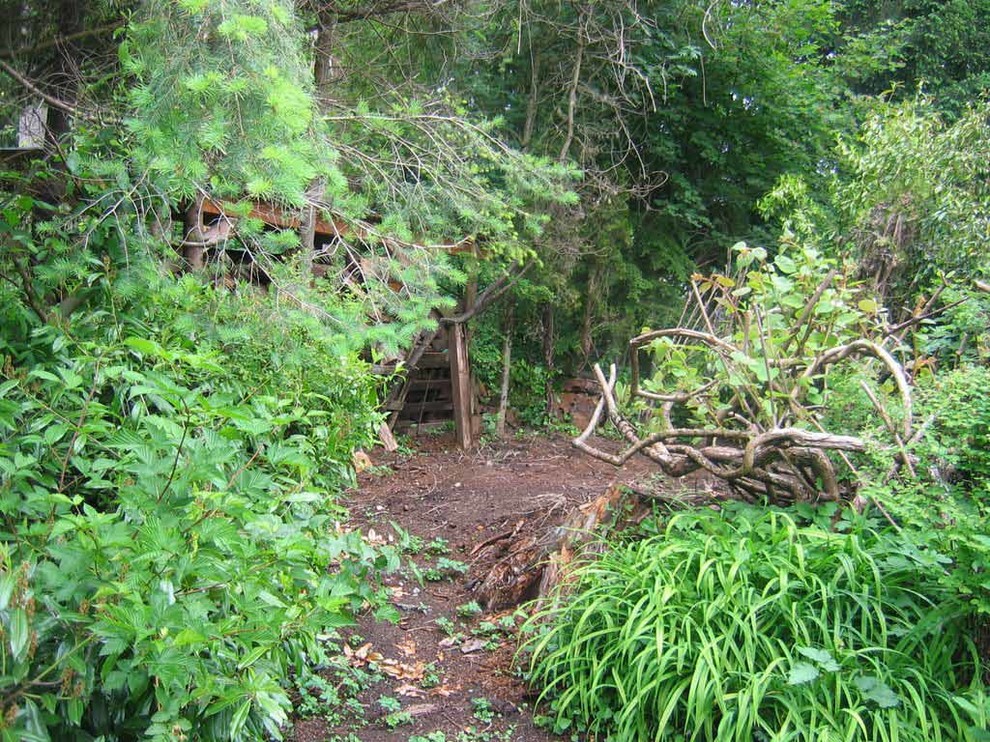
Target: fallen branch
[(752, 379), (857, 348)]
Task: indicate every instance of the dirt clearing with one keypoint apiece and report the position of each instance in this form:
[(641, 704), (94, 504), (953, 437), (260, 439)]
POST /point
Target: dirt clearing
[(444, 672)]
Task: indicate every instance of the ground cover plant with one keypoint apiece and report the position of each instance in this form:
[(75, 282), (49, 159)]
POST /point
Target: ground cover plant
[(754, 624)]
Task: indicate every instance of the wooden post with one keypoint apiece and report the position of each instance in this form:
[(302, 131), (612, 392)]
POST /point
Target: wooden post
[(194, 243), (460, 383)]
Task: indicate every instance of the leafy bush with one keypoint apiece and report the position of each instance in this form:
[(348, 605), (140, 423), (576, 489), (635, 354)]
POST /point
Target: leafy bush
[(958, 441), (948, 505), (171, 553), (907, 197), (745, 625)]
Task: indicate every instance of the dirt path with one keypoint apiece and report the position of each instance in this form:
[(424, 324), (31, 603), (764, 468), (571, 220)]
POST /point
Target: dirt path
[(444, 672)]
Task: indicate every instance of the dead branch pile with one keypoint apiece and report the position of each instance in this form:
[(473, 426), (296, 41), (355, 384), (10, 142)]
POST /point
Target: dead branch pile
[(758, 394), (763, 389)]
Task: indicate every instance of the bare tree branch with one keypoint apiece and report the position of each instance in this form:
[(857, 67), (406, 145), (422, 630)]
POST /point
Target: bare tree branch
[(51, 100), (59, 40), (489, 296)]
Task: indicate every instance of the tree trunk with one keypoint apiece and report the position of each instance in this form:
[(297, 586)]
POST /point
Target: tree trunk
[(565, 148), (325, 69), (64, 79), (549, 338), (503, 401), (587, 321), (532, 106)]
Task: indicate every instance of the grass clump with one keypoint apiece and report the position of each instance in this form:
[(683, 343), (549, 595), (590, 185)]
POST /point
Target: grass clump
[(746, 625)]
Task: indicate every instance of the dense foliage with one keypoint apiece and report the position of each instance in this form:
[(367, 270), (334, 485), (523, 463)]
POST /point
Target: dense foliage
[(761, 617), (172, 547), (178, 409)]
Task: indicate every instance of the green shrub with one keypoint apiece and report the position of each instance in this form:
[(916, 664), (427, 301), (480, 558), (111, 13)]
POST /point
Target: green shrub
[(958, 439), (947, 505), (168, 477), (745, 625), (528, 379)]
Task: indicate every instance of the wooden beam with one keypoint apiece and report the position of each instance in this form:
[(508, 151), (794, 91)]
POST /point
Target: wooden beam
[(276, 216), (433, 359), (414, 409), (460, 384)]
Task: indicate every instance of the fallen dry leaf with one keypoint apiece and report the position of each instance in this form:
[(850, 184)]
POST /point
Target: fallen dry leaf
[(362, 655), (407, 647), (410, 691), (475, 645), (402, 671)]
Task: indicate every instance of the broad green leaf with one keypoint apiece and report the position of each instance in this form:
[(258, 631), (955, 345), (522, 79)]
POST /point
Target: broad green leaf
[(8, 580), (20, 633), (820, 656), (877, 691), (188, 637), (254, 655), (801, 673), (144, 346), (786, 264), (239, 719)]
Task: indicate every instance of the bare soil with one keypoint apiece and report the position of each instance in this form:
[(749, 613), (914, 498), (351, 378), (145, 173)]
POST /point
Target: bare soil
[(494, 494)]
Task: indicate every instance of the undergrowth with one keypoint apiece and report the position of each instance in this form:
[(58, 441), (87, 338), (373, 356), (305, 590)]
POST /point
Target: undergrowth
[(746, 624), (170, 554)]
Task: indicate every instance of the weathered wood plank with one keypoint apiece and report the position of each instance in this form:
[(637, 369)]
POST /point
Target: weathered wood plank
[(413, 409), (460, 383)]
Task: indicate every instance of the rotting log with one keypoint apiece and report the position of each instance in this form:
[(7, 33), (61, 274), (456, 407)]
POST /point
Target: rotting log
[(529, 567)]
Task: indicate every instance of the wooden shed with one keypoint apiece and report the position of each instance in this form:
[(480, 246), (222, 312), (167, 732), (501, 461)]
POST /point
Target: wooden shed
[(434, 389)]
